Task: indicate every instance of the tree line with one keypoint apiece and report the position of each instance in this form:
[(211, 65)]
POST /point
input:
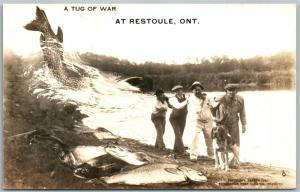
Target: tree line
[(256, 73)]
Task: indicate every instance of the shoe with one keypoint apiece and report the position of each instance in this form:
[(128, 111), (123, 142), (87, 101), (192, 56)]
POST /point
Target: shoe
[(211, 157), (193, 160), (234, 164), (183, 154)]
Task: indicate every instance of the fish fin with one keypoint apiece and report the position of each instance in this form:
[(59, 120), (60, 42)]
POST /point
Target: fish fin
[(107, 166), (143, 157), (42, 38), (60, 34), (33, 25), (97, 180), (171, 170), (36, 25)]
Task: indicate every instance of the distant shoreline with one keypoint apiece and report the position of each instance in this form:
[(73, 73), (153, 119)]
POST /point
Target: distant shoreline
[(255, 73)]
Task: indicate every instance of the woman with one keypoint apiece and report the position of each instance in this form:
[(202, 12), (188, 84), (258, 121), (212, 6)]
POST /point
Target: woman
[(158, 117), (178, 117)]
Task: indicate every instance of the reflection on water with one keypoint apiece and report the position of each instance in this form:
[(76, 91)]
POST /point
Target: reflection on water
[(271, 129)]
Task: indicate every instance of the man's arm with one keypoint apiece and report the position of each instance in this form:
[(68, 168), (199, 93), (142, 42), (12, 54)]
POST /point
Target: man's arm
[(168, 102), (176, 105), (220, 115), (242, 114)]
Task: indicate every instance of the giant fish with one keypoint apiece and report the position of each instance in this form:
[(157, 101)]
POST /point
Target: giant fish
[(52, 46)]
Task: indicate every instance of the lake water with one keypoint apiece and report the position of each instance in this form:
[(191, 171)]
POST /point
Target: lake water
[(271, 129)]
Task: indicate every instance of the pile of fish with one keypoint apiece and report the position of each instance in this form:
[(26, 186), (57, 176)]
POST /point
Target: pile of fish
[(117, 165), (114, 164)]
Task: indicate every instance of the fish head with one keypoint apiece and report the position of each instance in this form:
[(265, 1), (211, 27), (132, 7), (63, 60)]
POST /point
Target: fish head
[(84, 171), (67, 158), (144, 157), (192, 174)]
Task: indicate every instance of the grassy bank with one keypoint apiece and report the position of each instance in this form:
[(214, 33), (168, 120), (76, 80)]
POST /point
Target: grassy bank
[(33, 164)]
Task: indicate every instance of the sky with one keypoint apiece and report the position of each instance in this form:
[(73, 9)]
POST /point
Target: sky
[(234, 30)]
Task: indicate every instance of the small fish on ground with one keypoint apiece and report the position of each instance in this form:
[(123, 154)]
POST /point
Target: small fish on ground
[(98, 167), (157, 173), (147, 175)]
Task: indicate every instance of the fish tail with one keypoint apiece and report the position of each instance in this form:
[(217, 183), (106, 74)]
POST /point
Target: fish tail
[(39, 22), (59, 34)]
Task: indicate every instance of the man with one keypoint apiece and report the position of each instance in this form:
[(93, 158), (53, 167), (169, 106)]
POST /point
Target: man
[(201, 119), (235, 110), (178, 117), (158, 117)]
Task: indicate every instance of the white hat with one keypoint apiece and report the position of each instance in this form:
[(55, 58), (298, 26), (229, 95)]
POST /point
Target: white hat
[(176, 87), (195, 84)]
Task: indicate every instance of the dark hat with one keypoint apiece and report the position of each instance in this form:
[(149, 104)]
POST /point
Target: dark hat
[(158, 92), (195, 84), (231, 86), (177, 87)]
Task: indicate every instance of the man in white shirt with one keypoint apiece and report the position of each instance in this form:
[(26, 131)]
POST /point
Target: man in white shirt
[(202, 120), (158, 117), (178, 117)]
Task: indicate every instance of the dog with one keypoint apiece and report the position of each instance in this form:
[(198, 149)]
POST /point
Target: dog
[(222, 145)]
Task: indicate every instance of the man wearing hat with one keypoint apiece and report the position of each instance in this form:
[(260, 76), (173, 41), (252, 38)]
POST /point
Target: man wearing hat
[(158, 117), (235, 110), (178, 117), (201, 120)]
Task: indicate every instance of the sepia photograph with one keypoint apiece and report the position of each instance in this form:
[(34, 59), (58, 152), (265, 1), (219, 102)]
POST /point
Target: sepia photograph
[(149, 96)]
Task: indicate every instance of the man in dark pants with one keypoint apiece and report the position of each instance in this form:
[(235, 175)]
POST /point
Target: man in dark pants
[(235, 111), (158, 117), (178, 117)]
